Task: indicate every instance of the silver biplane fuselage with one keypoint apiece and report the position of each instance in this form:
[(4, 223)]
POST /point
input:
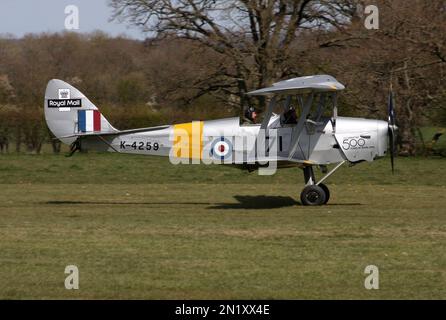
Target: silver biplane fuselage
[(355, 140), (314, 139)]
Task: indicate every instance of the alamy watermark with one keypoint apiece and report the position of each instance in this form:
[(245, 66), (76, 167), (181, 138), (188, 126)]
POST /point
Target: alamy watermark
[(72, 17), (371, 21), (72, 280), (258, 148), (371, 282)]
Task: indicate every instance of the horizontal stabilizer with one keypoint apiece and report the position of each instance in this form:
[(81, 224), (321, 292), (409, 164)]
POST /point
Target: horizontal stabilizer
[(115, 133)]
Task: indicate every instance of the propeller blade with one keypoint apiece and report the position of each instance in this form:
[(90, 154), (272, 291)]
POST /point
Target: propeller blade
[(392, 130), (392, 148)]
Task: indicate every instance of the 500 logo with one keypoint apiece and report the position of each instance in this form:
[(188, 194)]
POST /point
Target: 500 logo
[(353, 143)]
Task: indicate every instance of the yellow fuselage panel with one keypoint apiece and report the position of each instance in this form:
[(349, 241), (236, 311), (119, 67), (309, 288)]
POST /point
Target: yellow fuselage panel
[(188, 140)]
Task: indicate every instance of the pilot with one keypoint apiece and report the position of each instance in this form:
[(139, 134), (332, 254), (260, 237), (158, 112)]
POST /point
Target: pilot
[(290, 116), (250, 116)]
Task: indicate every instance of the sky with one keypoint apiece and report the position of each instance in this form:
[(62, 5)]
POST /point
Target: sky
[(19, 17)]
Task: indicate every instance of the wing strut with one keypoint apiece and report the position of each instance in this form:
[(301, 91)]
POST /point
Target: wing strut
[(268, 113), (297, 130), (262, 136), (320, 107), (287, 103), (335, 110)]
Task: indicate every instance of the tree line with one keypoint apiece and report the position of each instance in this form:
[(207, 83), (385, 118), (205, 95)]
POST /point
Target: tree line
[(203, 55)]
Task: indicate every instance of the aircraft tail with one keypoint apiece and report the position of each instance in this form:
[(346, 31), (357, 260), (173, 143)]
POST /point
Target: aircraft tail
[(68, 112)]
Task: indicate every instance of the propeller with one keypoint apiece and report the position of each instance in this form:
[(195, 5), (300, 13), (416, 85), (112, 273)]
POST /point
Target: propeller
[(392, 130)]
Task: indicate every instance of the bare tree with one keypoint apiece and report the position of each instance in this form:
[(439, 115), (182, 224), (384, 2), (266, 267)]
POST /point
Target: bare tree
[(254, 37)]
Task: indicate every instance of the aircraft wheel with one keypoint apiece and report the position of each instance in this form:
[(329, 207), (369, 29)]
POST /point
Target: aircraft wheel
[(312, 195), (327, 192)]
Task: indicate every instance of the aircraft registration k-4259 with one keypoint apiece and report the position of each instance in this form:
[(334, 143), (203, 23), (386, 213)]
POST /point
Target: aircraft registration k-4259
[(316, 137)]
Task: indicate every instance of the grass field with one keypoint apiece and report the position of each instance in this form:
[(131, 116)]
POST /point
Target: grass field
[(139, 227)]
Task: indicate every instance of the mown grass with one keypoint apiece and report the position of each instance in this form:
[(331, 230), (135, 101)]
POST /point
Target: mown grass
[(139, 227)]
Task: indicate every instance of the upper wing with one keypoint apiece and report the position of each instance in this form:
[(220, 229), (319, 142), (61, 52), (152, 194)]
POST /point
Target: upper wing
[(295, 85)]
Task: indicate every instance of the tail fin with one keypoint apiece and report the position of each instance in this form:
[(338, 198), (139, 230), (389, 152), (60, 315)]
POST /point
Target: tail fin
[(68, 112)]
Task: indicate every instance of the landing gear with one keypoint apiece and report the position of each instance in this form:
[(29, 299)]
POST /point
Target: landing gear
[(75, 146), (315, 194), (312, 195)]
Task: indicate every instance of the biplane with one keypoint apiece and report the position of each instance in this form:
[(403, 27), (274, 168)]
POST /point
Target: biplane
[(314, 136)]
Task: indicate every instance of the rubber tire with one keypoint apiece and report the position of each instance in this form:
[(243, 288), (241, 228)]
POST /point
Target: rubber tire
[(312, 196), (327, 192)]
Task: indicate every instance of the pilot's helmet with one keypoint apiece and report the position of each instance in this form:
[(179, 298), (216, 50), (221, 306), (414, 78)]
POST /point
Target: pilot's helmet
[(249, 112)]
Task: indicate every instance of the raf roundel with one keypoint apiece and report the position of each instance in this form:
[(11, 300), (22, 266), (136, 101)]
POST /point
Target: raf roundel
[(221, 148)]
